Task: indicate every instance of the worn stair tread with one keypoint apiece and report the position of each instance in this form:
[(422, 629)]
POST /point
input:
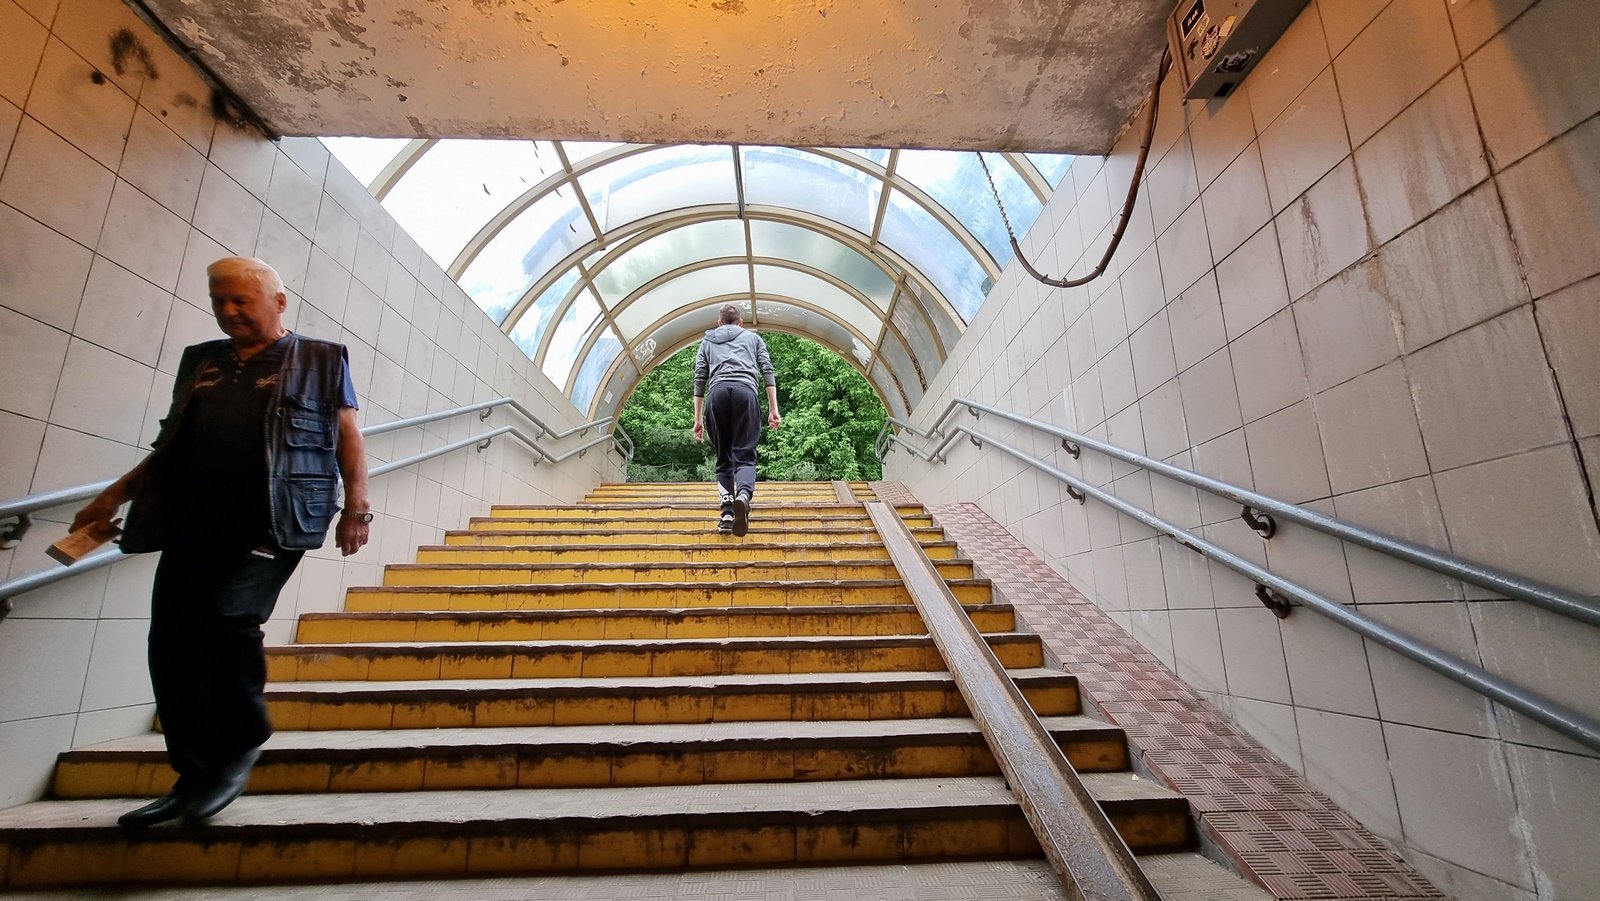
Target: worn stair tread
[(1028, 879), (676, 585), (494, 810), (711, 503), (630, 737), (556, 646), (676, 612), (641, 686), (840, 547), (657, 565), (1187, 876)]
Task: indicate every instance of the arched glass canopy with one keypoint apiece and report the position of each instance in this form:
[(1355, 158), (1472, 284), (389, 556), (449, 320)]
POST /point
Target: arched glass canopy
[(599, 259)]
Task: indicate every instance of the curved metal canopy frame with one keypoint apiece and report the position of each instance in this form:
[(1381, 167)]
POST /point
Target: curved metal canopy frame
[(933, 315)]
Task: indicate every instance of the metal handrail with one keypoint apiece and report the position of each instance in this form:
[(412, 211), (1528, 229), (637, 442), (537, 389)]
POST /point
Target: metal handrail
[(1275, 591), (108, 556), (1542, 594)]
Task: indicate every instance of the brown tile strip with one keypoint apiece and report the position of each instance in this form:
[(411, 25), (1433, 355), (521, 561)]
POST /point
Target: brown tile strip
[(893, 493), (1278, 830)]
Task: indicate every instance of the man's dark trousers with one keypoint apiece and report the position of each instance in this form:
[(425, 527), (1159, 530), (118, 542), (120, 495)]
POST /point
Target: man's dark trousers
[(206, 659), (734, 422)]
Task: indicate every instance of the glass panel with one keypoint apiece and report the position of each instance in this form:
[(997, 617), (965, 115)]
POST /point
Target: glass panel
[(1053, 166), (949, 332), (820, 328), (667, 178), (957, 182), (791, 242), (803, 286), (580, 319), (582, 150), (702, 284), (666, 252), (365, 157), (614, 389), (876, 154), (530, 328), (924, 350), (605, 350), (912, 232), (525, 250), (797, 180), (893, 354), (886, 384), (459, 185)]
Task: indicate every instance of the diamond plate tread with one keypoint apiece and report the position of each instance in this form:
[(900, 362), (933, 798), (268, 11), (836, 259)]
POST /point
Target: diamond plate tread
[(755, 803), (622, 587), (630, 737), (1191, 877), (647, 685), (996, 880)]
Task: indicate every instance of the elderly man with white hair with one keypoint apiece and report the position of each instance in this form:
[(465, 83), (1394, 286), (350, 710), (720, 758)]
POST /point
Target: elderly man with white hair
[(242, 481)]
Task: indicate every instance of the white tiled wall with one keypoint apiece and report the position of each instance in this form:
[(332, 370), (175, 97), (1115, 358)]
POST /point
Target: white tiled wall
[(1368, 282), (116, 191)]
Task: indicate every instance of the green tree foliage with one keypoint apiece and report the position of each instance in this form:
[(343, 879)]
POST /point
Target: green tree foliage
[(830, 418)]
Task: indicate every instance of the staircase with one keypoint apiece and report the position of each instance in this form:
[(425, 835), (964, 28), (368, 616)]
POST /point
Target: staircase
[(614, 686)]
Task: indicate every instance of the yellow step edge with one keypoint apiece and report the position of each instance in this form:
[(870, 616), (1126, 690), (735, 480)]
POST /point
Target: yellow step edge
[(685, 554), (646, 595), (336, 663), (581, 625), (406, 575)]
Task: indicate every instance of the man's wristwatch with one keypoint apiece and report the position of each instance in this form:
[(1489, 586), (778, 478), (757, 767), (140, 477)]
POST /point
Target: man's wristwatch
[(364, 516)]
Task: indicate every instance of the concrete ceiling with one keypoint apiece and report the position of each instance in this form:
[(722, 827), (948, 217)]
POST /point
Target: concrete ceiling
[(1038, 75)]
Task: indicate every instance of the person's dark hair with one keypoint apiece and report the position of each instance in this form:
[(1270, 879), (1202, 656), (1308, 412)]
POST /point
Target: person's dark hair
[(731, 313)]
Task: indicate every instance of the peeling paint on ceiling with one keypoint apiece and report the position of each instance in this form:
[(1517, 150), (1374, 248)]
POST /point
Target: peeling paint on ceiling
[(1063, 76)]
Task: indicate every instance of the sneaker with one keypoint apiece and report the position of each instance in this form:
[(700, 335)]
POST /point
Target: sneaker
[(741, 513), (725, 524)]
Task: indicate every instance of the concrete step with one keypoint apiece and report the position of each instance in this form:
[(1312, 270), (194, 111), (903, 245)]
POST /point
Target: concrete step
[(707, 534), (454, 833), (531, 550), (591, 756), (426, 704), (762, 518), (648, 510), (637, 573), (400, 661), (1177, 876), (676, 595), (590, 625)]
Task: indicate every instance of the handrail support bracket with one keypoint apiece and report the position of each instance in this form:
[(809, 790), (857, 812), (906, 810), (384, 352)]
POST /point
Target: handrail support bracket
[(1272, 600), (1263, 523)]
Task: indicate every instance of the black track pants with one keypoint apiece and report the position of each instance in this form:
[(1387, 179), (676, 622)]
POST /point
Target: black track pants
[(733, 420), (206, 659)]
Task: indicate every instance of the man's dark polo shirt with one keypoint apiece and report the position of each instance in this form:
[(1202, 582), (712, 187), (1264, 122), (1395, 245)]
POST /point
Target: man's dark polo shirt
[(218, 467)]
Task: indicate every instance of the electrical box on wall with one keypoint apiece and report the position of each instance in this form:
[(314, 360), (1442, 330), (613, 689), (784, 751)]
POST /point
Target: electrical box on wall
[(1215, 43)]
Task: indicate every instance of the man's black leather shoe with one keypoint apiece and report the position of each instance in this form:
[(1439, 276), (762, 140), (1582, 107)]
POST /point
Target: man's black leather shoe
[(167, 807), (208, 800)]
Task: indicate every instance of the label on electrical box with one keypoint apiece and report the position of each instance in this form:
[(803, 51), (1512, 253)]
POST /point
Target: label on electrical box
[(1200, 38)]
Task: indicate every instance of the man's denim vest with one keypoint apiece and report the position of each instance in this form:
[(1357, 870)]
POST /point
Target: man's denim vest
[(302, 438)]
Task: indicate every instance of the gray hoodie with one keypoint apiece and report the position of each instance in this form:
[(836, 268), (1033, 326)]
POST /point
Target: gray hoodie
[(731, 353)]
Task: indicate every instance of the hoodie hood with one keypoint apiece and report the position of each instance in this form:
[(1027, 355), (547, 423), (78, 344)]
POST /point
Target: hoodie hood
[(722, 334)]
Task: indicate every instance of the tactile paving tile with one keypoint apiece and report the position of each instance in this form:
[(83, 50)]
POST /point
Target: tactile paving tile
[(1279, 830), (999, 880)]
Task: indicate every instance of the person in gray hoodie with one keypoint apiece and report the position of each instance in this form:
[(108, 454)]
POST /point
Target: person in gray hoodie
[(730, 363)]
